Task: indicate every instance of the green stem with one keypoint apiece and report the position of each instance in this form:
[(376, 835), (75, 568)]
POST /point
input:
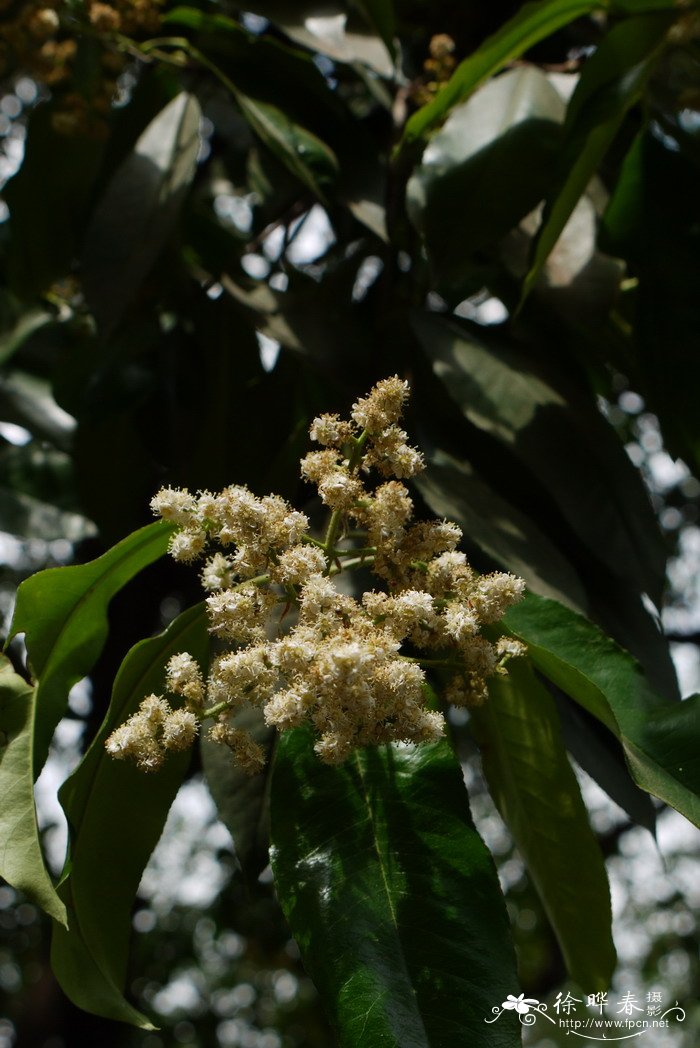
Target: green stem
[(337, 515)]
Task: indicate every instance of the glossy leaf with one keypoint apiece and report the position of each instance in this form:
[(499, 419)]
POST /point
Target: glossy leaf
[(532, 23), (63, 614), (116, 815), (462, 196), (242, 800), (21, 330), (536, 792), (308, 158), (391, 894), (337, 29), (21, 858), (139, 209), (611, 83), (559, 434), (661, 741)]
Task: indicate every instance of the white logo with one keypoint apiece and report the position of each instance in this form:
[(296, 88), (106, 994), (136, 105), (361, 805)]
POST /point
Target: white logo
[(630, 1019)]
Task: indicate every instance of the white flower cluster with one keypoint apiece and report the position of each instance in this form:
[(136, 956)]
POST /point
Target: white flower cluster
[(354, 668)]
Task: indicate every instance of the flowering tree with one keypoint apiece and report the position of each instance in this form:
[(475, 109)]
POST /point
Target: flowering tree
[(227, 228)]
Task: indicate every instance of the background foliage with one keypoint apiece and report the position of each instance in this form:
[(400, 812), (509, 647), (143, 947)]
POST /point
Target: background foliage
[(220, 223)]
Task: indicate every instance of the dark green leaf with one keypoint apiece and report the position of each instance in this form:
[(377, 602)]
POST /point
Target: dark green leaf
[(454, 490), (463, 197), (612, 82), (139, 209), (47, 215), (242, 800), (116, 814), (661, 742), (601, 756), (63, 614), (21, 859), (28, 401), (391, 894), (536, 792), (558, 433)]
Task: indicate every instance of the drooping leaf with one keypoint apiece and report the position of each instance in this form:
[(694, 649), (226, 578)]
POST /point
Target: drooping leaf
[(242, 800), (116, 814), (391, 893), (532, 23), (661, 741), (462, 197), (601, 756), (308, 158), (611, 83), (27, 401), (337, 29), (536, 792), (455, 491), (559, 434), (139, 209), (24, 326), (63, 614), (21, 858)]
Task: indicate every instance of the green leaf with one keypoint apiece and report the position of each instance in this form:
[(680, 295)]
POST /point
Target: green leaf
[(116, 815), (532, 23), (612, 81), (462, 197), (308, 158), (536, 792), (661, 741), (63, 614), (28, 517), (242, 800), (21, 858), (557, 432), (139, 209), (391, 895), (455, 491)]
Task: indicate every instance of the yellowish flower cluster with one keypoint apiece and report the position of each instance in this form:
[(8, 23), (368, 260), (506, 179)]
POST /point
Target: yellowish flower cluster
[(355, 668)]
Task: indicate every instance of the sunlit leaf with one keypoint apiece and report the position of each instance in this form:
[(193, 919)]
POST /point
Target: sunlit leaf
[(390, 894), (63, 614), (21, 859), (611, 83)]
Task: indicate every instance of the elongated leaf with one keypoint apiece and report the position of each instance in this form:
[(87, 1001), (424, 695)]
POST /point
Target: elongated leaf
[(116, 814), (532, 23), (661, 741), (23, 328), (560, 436), (63, 614), (611, 83), (601, 756), (242, 800), (391, 895), (462, 196), (21, 859), (309, 159), (139, 209), (536, 792), (455, 491)]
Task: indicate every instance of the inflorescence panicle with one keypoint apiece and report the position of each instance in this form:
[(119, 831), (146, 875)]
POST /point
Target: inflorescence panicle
[(354, 668)]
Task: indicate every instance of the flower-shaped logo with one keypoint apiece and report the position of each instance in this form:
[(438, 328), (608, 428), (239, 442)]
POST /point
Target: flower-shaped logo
[(521, 1004)]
